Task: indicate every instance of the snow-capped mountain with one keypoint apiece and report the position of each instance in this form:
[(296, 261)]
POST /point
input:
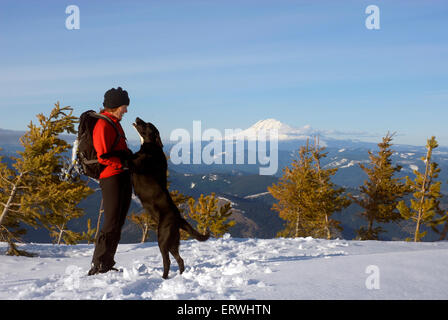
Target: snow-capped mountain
[(290, 137), (285, 132)]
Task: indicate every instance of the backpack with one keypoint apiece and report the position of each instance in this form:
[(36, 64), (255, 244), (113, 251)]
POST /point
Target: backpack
[(86, 153)]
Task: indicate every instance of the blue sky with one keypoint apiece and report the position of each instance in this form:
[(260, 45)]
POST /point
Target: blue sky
[(232, 63)]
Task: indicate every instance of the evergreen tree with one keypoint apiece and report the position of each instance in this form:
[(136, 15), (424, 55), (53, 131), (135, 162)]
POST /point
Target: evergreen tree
[(293, 192), (381, 192), (327, 198), (306, 196), (60, 206), (14, 185), (210, 216), (145, 221), (426, 194), (58, 199), (89, 235), (32, 191), (10, 230)]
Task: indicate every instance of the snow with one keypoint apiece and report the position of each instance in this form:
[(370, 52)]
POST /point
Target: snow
[(338, 163), (211, 177), (257, 195), (285, 132), (344, 163), (406, 155), (233, 204), (228, 268), (350, 164)]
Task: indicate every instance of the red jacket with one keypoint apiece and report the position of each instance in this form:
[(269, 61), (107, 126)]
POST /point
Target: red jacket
[(103, 138)]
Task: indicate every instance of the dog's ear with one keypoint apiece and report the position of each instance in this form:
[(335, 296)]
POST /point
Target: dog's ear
[(158, 140), (155, 135)]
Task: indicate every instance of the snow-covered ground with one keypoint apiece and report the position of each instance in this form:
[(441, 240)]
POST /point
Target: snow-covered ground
[(228, 268)]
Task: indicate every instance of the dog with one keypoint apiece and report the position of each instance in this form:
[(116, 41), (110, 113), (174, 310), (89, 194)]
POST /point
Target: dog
[(148, 169)]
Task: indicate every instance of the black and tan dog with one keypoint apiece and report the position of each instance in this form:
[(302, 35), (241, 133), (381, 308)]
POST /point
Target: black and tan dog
[(149, 178)]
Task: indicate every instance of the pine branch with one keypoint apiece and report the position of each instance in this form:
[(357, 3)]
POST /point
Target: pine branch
[(11, 236), (17, 211), (1, 176)]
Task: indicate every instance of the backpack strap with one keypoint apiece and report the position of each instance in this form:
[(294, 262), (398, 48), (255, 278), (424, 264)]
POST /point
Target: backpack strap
[(101, 116)]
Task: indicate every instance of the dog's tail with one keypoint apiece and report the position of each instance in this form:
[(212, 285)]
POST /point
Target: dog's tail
[(184, 225)]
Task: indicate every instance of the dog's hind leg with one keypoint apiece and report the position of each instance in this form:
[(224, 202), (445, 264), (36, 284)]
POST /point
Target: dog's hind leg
[(175, 252), (166, 262)]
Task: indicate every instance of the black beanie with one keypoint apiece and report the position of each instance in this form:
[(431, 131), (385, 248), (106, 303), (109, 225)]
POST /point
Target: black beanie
[(115, 98)]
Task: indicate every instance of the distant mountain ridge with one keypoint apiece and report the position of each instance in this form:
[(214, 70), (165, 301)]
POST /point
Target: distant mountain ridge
[(289, 137), (10, 137), (241, 184)]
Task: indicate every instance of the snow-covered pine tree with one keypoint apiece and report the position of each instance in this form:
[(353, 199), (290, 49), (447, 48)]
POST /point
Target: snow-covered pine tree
[(426, 195), (210, 216), (381, 193)]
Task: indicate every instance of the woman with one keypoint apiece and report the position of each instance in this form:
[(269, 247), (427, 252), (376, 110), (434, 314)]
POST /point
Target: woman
[(115, 180)]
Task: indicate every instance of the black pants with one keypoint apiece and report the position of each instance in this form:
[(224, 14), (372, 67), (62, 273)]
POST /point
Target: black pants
[(117, 193)]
